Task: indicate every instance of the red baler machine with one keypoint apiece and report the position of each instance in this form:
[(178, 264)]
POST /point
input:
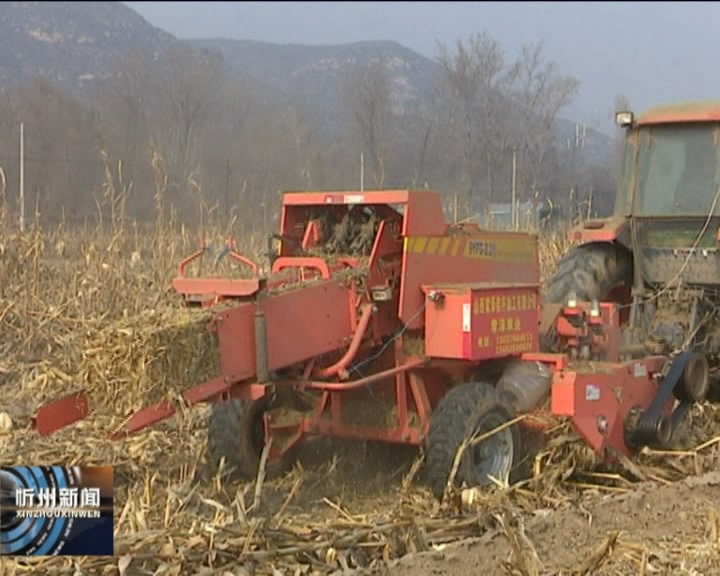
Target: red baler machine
[(379, 321)]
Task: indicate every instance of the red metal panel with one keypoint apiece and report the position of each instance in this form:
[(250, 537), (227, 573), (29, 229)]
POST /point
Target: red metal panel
[(424, 215), (308, 322), (700, 111), (503, 257), (599, 402), (479, 322), (601, 230), (444, 334), (347, 197), (505, 321), (236, 342), (301, 324), (423, 208), (230, 287), (60, 413)]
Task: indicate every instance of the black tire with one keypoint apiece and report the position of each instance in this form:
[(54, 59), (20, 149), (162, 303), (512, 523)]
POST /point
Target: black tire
[(465, 411), (590, 271), (235, 432)]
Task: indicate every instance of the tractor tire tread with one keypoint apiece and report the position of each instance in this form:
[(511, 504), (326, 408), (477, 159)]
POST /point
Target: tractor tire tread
[(590, 271), (230, 437)]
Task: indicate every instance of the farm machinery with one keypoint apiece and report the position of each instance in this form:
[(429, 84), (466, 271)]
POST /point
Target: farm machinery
[(380, 321), (650, 274), (376, 321)]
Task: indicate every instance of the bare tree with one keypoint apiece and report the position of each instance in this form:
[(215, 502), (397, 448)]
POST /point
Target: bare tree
[(240, 142), (367, 93), (473, 74), (184, 88), (539, 92), (426, 120), (62, 165)]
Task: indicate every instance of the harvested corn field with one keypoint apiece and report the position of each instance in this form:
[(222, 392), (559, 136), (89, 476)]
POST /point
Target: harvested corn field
[(105, 320)]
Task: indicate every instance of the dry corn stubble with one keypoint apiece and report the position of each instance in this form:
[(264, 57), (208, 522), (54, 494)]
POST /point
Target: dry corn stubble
[(96, 311)]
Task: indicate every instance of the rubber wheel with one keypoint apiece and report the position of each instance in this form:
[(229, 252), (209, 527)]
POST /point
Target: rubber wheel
[(590, 271), (467, 411), (236, 433)]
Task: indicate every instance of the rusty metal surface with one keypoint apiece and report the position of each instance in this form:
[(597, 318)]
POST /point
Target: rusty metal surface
[(60, 413), (599, 401), (693, 111)]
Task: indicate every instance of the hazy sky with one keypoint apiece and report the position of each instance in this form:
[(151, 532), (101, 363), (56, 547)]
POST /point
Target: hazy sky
[(652, 52)]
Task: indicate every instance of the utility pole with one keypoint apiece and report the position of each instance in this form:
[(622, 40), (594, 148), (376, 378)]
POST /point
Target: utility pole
[(362, 172), (22, 177), (514, 190), (227, 187)]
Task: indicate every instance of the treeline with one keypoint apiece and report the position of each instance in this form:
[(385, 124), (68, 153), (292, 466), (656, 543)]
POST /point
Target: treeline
[(187, 130)]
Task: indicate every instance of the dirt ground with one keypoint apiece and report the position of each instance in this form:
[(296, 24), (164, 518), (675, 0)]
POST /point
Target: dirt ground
[(669, 529)]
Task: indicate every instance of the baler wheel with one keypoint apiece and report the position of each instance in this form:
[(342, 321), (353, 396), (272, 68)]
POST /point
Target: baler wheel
[(467, 411), (590, 271), (236, 433)]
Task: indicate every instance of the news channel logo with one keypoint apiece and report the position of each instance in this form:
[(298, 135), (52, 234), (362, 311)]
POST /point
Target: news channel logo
[(56, 511)]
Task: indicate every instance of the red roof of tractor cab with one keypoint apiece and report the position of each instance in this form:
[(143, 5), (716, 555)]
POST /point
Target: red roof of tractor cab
[(699, 111)]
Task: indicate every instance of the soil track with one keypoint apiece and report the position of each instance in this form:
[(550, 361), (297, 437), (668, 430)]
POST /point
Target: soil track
[(671, 529), (647, 528), (653, 528)]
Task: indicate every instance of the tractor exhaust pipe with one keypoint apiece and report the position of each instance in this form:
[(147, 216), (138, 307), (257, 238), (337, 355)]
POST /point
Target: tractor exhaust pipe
[(262, 371)]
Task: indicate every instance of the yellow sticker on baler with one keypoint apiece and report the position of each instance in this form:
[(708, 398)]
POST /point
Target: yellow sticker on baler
[(501, 304), (517, 249)]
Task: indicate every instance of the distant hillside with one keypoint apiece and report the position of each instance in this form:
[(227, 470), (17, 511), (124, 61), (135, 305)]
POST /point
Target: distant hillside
[(313, 73), (70, 43)]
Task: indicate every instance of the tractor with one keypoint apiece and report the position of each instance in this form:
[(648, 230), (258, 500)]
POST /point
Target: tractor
[(654, 267)]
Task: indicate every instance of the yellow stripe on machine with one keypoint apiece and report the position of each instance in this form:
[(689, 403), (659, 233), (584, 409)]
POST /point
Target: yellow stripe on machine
[(444, 244), (420, 243), (456, 247), (490, 247), (495, 248)]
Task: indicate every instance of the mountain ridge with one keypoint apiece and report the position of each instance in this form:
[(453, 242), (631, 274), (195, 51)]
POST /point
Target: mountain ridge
[(74, 44)]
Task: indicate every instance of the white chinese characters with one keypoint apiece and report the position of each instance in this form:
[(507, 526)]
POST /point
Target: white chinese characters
[(63, 498)]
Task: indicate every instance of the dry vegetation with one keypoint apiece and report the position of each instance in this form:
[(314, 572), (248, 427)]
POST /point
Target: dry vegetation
[(93, 309)]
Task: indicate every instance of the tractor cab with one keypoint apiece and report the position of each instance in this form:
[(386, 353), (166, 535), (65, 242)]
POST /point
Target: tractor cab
[(667, 200), (669, 191)]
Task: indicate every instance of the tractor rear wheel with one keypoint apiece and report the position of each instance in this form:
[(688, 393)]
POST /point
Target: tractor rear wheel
[(590, 271), (465, 412), (236, 433)]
